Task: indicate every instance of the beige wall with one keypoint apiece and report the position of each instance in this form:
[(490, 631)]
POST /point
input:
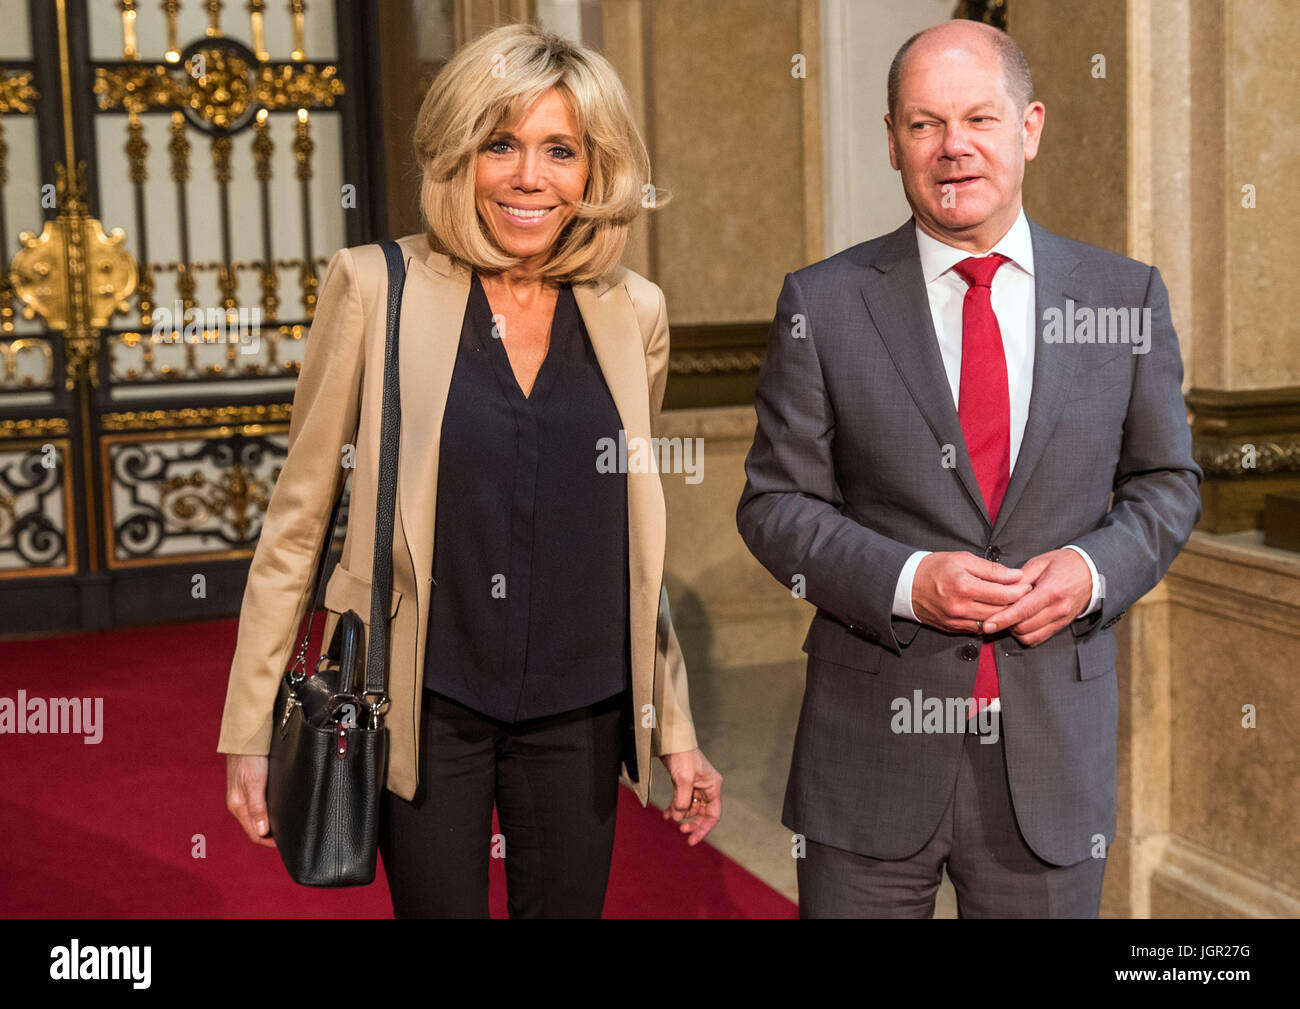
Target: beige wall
[(1208, 819), (733, 138), (1262, 133), (1199, 100), (1071, 187)]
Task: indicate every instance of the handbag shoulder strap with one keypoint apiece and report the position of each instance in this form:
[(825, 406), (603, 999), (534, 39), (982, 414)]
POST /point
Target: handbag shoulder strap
[(390, 425), (381, 582)]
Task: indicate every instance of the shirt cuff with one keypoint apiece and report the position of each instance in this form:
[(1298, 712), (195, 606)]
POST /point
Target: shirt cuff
[(1095, 599), (903, 590)]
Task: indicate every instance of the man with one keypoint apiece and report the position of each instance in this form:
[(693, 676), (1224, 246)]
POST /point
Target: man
[(944, 414)]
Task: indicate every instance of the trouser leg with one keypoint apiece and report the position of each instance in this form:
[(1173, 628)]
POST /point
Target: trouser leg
[(994, 871), (557, 796), (435, 847)]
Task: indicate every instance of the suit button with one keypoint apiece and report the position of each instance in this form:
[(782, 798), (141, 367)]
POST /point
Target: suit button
[(993, 554), (969, 651)]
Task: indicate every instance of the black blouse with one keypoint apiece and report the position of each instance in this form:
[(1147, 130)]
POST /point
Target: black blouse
[(530, 567)]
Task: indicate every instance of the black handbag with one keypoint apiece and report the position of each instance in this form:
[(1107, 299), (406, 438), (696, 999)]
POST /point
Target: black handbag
[(329, 744)]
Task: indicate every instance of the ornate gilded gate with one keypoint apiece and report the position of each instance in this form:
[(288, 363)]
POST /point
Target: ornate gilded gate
[(173, 177)]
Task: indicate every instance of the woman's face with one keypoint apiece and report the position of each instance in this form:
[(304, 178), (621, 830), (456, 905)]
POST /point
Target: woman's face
[(528, 177)]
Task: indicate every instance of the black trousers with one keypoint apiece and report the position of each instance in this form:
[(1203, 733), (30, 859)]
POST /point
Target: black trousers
[(993, 870), (554, 782)]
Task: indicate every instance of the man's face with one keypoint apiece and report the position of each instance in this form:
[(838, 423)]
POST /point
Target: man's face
[(958, 140)]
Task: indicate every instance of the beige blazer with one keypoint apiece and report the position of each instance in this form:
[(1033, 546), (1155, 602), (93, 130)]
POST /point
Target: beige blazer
[(337, 405)]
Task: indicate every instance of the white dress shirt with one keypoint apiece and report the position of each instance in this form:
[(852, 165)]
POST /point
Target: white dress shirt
[(1012, 296)]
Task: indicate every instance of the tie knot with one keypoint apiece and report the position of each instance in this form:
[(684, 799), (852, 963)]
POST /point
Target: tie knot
[(978, 270)]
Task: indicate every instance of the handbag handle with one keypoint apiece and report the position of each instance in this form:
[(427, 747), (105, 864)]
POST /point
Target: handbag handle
[(381, 582)]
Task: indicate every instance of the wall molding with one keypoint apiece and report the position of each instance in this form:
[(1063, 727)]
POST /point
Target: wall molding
[(1201, 874)]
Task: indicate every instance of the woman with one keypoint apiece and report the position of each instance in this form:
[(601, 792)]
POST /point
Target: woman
[(532, 647)]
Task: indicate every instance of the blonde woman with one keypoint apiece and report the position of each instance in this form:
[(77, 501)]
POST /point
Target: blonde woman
[(532, 651)]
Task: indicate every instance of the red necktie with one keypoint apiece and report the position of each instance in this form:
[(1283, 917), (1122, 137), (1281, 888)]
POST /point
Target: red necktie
[(984, 409)]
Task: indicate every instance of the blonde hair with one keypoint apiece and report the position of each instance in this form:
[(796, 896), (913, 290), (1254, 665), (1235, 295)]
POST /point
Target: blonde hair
[(491, 82)]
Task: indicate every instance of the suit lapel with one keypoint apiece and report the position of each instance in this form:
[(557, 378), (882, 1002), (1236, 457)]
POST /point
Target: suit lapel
[(1054, 363), (433, 308), (616, 339), (894, 290), (610, 323)]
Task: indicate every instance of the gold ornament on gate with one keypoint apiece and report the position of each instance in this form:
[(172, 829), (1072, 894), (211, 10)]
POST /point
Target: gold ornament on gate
[(223, 92), (73, 275)]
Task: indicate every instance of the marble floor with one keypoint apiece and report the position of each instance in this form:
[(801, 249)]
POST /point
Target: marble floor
[(745, 720)]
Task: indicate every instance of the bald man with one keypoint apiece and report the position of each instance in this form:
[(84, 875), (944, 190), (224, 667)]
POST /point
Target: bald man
[(944, 414)]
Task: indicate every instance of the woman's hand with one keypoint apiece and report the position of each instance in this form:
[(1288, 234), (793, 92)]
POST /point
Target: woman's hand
[(697, 793), (246, 795)]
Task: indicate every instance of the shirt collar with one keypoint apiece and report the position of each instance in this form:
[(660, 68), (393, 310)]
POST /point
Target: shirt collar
[(937, 257)]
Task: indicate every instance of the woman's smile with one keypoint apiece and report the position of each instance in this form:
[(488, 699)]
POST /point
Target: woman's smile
[(522, 216)]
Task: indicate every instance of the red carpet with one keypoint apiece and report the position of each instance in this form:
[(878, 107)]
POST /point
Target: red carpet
[(110, 829)]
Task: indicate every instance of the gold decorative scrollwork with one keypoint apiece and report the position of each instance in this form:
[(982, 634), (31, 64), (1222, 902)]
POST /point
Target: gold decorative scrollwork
[(145, 420), (1228, 460), (10, 354), (16, 95), (301, 86), (223, 94), (73, 274), (195, 498), (16, 92), (33, 427), (139, 88), (715, 362)]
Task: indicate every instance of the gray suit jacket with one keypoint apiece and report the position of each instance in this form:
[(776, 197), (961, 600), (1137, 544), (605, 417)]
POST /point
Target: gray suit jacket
[(847, 477)]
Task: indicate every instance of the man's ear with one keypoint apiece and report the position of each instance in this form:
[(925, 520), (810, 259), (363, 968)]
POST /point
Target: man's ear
[(1032, 130), (889, 136)]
